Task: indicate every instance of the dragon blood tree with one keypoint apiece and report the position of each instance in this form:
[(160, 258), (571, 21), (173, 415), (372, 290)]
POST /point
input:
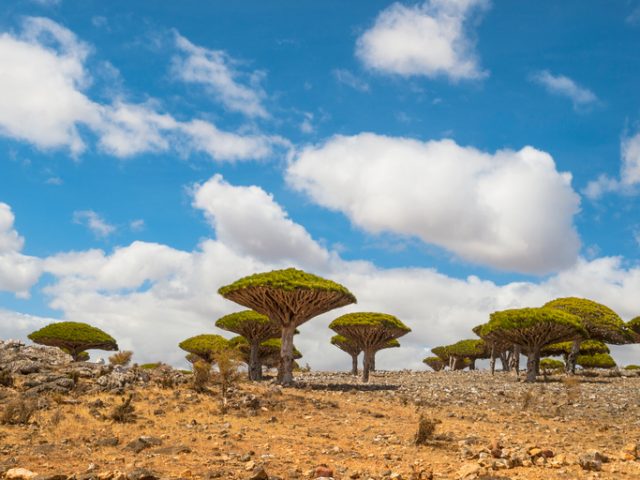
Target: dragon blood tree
[(256, 328), (587, 347), (509, 354), (289, 298), (370, 331), (634, 326), (532, 329), (268, 351), (435, 363), (204, 346), (599, 322), (393, 343), (470, 349), (598, 360), (75, 338), (344, 344)]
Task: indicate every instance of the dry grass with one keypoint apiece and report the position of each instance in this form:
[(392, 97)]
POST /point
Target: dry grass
[(18, 411)]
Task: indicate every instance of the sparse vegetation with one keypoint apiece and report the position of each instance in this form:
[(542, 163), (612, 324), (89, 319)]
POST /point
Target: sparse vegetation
[(124, 412), (122, 358), (18, 411)]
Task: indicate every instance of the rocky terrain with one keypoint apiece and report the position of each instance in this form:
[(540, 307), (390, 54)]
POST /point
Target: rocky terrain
[(402, 426)]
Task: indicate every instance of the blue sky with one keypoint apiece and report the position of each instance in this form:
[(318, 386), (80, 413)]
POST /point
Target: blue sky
[(443, 159)]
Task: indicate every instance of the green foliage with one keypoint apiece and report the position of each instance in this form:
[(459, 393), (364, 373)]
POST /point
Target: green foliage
[(531, 318), (288, 279), (435, 363), (473, 348), (71, 334), (150, 366), (240, 322), (599, 360), (634, 324), (393, 343), (205, 346), (369, 319), (275, 344), (551, 364), (587, 347), (441, 352), (632, 367), (600, 322)]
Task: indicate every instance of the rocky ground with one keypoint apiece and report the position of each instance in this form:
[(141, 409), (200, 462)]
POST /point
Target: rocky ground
[(474, 425)]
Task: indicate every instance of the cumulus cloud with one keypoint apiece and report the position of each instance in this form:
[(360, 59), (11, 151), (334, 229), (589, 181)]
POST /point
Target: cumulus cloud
[(219, 73), (93, 222), (510, 210), (629, 178), (349, 79), (18, 272), (272, 236), (565, 87), (430, 39), (46, 57), (151, 296)]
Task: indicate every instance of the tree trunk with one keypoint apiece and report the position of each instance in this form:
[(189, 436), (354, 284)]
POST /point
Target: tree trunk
[(285, 375), (354, 364), (472, 364), (505, 360), (255, 369), (533, 358), (373, 362), (492, 361), (452, 363), (366, 367), (570, 365), (515, 359)]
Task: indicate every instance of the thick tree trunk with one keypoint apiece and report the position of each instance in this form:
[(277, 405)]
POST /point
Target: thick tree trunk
[(533, 358), (570, 365), (505, 360), (373, 362), (354, 364), (255, 369), (285, 375), (472, 364), (452, 363), (366, 367)]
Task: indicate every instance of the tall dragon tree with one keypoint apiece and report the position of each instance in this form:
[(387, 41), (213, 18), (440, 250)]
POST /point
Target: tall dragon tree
[(599, 322), (75, 338), (256, 328), (532, 329), (289, 298), (471, 349), (349, 347), (268, 351), (371, 331)]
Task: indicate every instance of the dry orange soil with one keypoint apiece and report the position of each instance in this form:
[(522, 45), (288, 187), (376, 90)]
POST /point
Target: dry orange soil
[(356, 433)]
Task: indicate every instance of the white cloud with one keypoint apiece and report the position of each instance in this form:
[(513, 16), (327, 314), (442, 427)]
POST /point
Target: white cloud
[(46, 57), (629, 172), (509, 210), (14, 325), (18, 272), (349, 79), (565, 87), (429, 39), (137, 225), (93, 222), (249, 219), (219, 73)]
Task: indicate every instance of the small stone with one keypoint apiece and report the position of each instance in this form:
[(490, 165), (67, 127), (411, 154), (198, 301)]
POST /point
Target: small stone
[(19, 474), (259, 474), (469, 471), (323, 471), (142, 474), (592, 461)]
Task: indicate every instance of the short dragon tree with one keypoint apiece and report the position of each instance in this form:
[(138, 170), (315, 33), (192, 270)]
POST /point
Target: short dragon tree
[(204, 347), (634, 326), (597, 360), (599, 322), (289, 298), (75, 338), (509, 354), (349, 347), (435, 363), (587, 347), (532, 329), (471, 349), (256, 328), (370, 331), (268, 351)]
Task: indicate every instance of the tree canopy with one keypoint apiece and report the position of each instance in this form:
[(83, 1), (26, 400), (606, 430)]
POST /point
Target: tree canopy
[(435, 363), (205, 346), (74, 337), (588, 347), (599, 360)]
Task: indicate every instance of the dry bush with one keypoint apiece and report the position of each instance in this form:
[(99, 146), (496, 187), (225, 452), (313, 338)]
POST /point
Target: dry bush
[(228, 361), (122, 358), (56, 418), (18, 411), (572, 388), (124, 412), (527, 399), (6, 378), (201, 375), (426, 429)]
